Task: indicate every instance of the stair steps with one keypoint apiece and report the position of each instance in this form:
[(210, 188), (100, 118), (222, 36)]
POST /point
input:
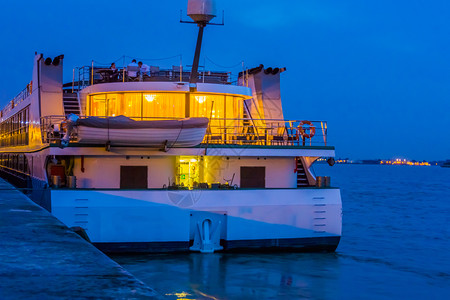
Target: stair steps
[(71, 105), (302, 179)]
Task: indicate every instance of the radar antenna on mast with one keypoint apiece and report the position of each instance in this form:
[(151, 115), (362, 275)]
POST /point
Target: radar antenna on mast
[(201, 12)]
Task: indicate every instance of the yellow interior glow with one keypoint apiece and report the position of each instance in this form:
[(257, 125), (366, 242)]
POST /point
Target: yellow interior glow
[(188, 171), (223, 110), (200, 99), (149, 97)]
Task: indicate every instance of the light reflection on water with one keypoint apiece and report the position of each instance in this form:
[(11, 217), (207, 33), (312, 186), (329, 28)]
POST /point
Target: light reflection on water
[(237, 276), (395, 245)]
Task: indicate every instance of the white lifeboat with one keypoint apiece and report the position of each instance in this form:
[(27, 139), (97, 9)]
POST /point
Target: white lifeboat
[(123, 131)]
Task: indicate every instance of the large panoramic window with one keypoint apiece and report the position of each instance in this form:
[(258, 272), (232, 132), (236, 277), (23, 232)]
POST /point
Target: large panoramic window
[(163, 105), (216, 106), (141, 105), (130, 105), (223, 111), (114, 106), (97, 105), (137, 105)]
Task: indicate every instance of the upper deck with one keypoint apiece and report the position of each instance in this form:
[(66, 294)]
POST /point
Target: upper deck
[(90, 75), (244, 112)]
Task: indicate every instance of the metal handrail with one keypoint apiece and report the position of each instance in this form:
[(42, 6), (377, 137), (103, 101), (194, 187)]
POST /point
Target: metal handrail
[(180, 118), (22, 95), (87, 76), (224, 131)]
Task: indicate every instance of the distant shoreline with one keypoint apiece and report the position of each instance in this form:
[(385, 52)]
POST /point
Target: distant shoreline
[(394, 162)]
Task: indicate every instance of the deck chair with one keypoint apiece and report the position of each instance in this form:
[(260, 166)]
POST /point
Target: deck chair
[(215, 139), (176, 70), (154, 71), (132, 72)]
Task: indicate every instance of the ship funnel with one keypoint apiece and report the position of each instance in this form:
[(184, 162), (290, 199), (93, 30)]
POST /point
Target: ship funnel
[(201, 11), (48, 61)]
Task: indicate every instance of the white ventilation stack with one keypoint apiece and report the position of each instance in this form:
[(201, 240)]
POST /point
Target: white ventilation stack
[(201, 11)]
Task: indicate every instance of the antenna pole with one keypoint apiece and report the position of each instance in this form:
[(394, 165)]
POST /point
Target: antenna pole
[(194, 72)]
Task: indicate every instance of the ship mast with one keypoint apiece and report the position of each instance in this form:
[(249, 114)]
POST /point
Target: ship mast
[(201, 12)]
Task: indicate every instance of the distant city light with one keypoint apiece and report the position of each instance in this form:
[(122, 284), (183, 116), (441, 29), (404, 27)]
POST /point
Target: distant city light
[(396, 161)]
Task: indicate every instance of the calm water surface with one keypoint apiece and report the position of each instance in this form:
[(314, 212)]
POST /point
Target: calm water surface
[(395, 245)]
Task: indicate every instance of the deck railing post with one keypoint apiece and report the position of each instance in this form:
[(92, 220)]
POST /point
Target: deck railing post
[(73, 79), (92, 73)]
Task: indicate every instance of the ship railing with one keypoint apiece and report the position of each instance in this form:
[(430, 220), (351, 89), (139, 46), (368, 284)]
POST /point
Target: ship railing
[(22, 95), (91, 75), (268, 132), (225, 131), (54, 127)]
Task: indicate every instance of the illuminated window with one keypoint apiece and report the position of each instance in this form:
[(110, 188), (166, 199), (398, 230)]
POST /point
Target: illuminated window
[(200, 99), (222, 110), (138, 105), (131, 105), (234, 107), (149, 97), (211, 107), (114, 105), (98, 105), (164, 105), (14, 130)]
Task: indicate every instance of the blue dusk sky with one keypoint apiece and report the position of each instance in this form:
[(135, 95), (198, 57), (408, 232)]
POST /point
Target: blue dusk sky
[(377, 71)]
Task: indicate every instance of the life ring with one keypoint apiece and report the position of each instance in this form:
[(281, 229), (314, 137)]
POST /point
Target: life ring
[(312, 129)]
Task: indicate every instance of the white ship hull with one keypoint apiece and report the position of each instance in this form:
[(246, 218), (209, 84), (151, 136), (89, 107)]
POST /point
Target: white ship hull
[(165, 220)]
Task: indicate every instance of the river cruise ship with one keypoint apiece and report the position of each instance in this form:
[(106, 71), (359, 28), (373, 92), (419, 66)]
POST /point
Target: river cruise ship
[(146, 161), (143, 164)]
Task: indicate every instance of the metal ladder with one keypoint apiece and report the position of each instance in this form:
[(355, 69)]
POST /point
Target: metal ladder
[(302, 179), (71, 104)]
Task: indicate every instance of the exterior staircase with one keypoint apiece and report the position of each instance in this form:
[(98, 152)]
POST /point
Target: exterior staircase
[(71, 105), (302, 179), (246, 122)]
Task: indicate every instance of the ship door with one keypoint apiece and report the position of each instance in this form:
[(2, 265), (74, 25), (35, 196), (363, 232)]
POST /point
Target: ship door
[(188, 171), (253, 177), (133, 177)]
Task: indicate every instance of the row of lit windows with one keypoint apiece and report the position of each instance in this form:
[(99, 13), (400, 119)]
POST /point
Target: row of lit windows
[(165, 105), (16, 162), (144, 105), (14, 130)]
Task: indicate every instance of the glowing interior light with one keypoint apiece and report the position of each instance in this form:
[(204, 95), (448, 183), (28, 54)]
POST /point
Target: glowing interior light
[(193, 160), (200, 99), (113, 115), (181, 160), (149, 97)]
